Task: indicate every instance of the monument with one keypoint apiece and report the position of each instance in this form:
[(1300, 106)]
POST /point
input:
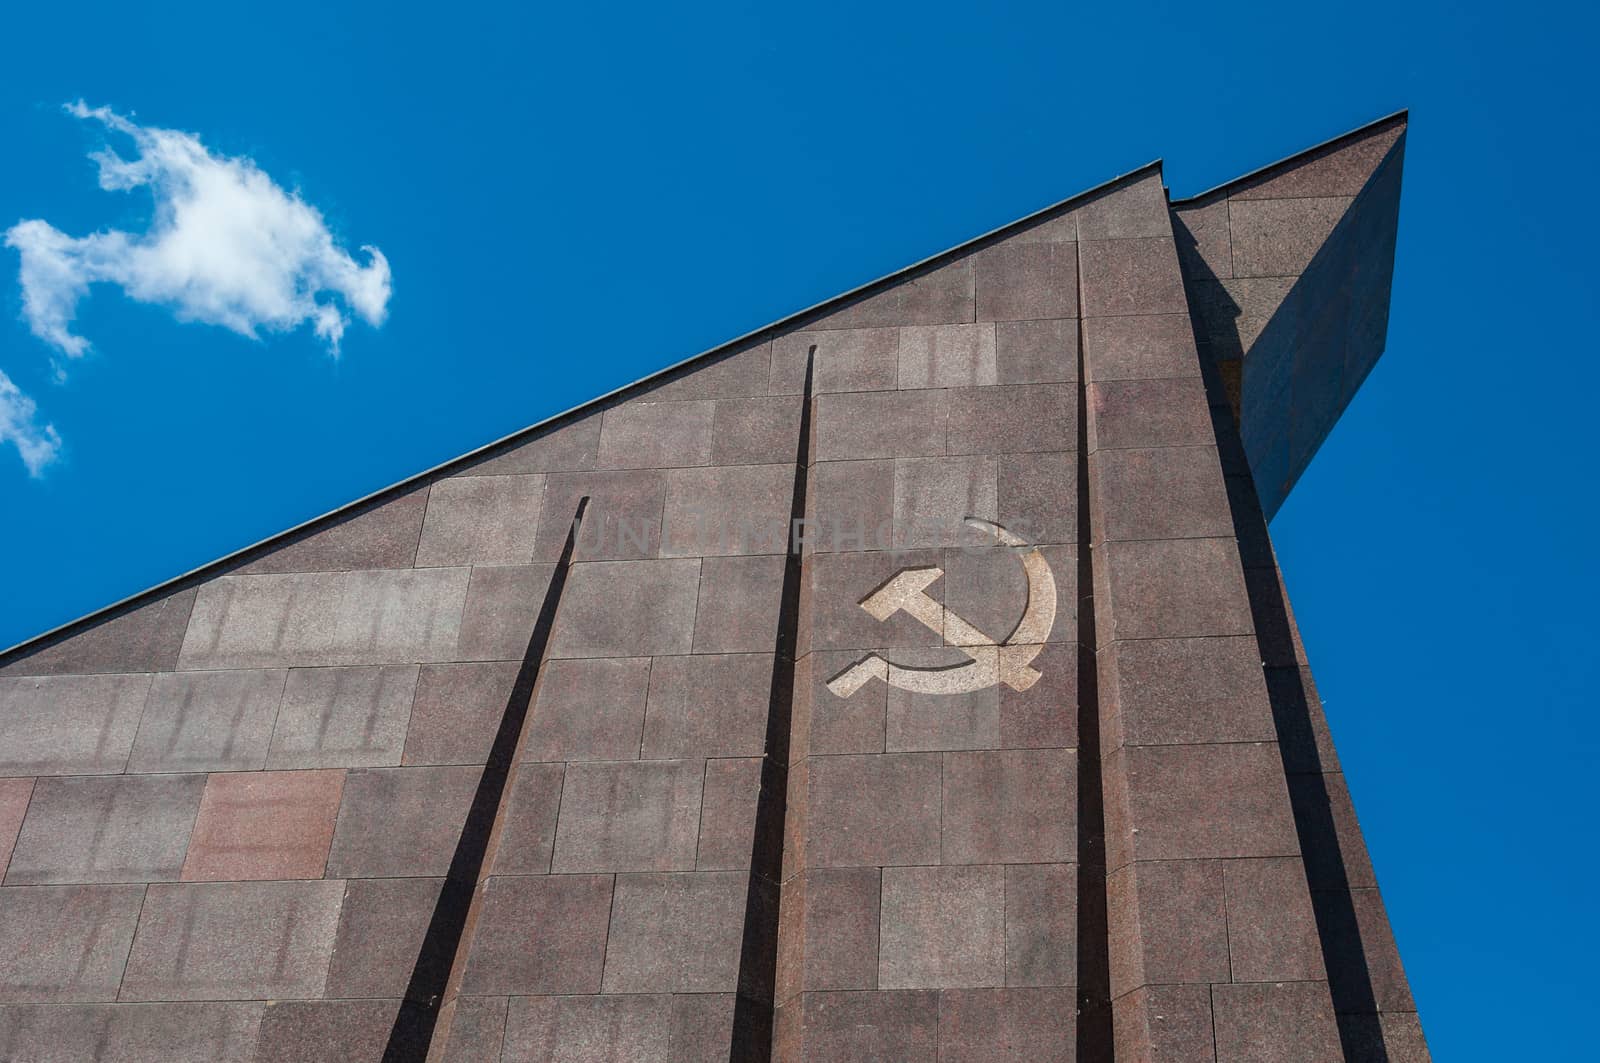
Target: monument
[(910, 679)]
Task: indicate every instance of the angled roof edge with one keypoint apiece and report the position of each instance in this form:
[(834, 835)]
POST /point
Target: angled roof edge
[(889, 279), (1401, 116)]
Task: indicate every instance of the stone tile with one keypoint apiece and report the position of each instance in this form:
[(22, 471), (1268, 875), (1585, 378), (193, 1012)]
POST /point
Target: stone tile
[(1041, 925), (1122, 277), (1165, 1024), (233, 941), (379, 534), (873, 811), (969, 720), (763, 431), (1010, 807), (943, 927), (838, 584), (1159, 493), (457, 711), (594, 1029), (325, 1031), (382, 923), (401, 821), (569, 447), (503, 603), (1168, 924), (143, 638), (1205, 248), (1341, 169), (933, 497), (735, 509), (370, 617), (1173, 588), (628, 608), (481, 520), (14, 797), (621, 523), (1363, 963), (656, 435), (60, 944), (1284, 1022), (1008, 1026), (826, 723), (1272, 933), (738, 605), (935, 296), (865, 359), (1036, 352), (105, 829), (1149, 413), (539, 934), (1336, 856), (1045, 716), (880, 424), (728, 814), (1013, 419), (343, 717), (946, 356), (841, 911), (1192, 802), (264, 825), (1139, 348), (851, 506), (1059, 226), (130, 1033), (676, 933), (1134, 209), (851, 1027), (1279, 237), (1393, 1038), (725, 373), (528, 826), (703, 1029), (1026, 281), (589, 710), (1037, 496), (70, 725), (208, 721), (1180, 691), (708, 705), (630, 816), (477, 1033)]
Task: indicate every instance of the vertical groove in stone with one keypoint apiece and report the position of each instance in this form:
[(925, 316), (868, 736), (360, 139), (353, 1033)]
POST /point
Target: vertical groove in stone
[(421, 1027), (755, 1000), (1095, 1041)]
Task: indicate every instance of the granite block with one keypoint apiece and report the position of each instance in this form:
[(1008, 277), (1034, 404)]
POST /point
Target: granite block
[(589, 709), (946, 356), (1275, 1022), (622, 521), (1175, 588), (738, 605), (568, 447), (141, 638), (593, 1029), (528, 823), (628, 608), (656, 435), (264, 825), (676, 933), (864, 359), (708, 705), (734, 509), (1041, 925), (382, 923), (380, 534), (539, 934), (64, 944), (105, 829), (1168, 924), (208, 721), (849, 1027), (728, 814), (130, 1033), (343, 717), (401, 821), (943, 927), (69, 725), (1272, 932), (1123, 277), (873, 811), (503, 603), (933, 497), (629, 816), (457, 711), (763, 431), (481, 520), (1010, 806), (1013, 419), (1027, 281), (880, 424), (1008, 1026), (1139, 348), (1036, 352)]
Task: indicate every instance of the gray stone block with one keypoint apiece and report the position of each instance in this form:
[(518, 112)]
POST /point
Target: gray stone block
[(457, 712), (503, 602), (1139, 348), (343, 717), (376, 617), (627, 609), (106, 829), (880, 424), (381, 927), (943, 927), (145, 638), (622, 521), (401, 821), (208, 721), (69, 725), (233, 941), (656, 435), (130, 1033), (481, 520), (676, 932), (636, 1028), (944, 356), (761, 431), (61, 944), (933, 497), (708, 705), (1013, 419), (722, 375), (1279, 237), (736, 509), (382, 535), (1131, 210), (1123, 277), (864, 359), (1036, 352), (569, 447), (589, 709), (629, 816), (540, 934), (1027, 281)]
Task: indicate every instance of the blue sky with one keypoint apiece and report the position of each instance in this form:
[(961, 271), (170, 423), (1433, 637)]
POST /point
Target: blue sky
[(570, 198)]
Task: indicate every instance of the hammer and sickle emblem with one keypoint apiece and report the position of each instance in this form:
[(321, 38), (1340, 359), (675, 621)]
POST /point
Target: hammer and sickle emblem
[(1009, 662)]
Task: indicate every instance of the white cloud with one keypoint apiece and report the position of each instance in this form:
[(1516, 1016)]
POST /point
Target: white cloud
[(38, 444), (227, 246)]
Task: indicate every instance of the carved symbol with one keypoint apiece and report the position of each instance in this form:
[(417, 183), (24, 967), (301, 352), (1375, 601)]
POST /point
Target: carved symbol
[(1008, 662)]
